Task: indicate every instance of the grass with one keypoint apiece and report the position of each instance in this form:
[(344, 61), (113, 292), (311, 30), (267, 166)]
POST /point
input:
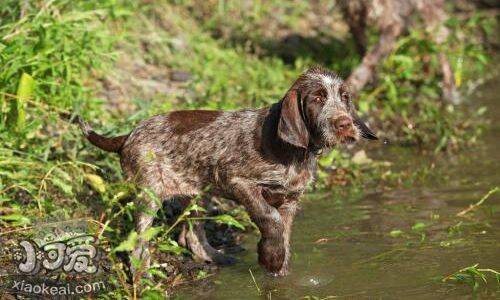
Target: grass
[(481, 201), (473, 276), (59, 58)]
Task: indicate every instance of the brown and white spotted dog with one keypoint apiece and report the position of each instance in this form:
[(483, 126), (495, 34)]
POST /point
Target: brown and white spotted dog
[(262, 158)]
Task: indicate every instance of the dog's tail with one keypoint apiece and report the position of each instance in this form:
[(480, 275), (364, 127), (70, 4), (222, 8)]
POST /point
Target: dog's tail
[(110, 144)]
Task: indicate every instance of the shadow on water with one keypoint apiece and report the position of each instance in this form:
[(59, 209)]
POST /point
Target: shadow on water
[(391, 243)]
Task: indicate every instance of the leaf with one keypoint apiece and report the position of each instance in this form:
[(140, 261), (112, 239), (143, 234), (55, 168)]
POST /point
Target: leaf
[(396, 233), (66, 188), (128, 244), (193, 207), (152, 295), (392, 91), (418, 226), (158, 273), (229, 220), (135, 262), (328, 160), (201, 274), (16, 219), (96, 182), (17, 115), (151, 233), (197, 208), (62, 174), (152, 195), (481, 110), (363, 107), (171, 246), (458, 74)]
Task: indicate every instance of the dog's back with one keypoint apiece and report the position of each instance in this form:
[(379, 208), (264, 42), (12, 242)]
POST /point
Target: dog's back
[(184, 152)]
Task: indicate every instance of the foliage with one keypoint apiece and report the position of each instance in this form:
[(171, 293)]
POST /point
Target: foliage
[(473, 276), (407, 97), (56, 57)]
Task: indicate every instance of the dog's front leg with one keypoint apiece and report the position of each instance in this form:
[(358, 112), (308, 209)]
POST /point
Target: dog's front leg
[(287, 212), (271, 248)]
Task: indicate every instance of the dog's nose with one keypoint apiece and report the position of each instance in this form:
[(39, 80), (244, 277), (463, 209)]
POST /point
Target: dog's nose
[(343, 123)]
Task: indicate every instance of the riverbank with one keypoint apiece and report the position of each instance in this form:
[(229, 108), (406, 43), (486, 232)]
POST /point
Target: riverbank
[(118, 62)]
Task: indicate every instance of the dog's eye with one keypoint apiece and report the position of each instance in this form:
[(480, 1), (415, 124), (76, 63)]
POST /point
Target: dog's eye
[(319, 99)]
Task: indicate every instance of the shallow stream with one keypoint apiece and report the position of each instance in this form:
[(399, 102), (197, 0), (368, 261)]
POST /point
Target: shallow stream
[(394, 243)]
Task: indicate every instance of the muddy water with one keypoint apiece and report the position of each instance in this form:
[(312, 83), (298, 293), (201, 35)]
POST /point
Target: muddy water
[(343, 247)]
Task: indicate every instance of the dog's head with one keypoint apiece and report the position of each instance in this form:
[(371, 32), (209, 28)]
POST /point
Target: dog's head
[(318, 112)]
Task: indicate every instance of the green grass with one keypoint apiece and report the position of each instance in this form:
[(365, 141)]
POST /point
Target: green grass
[(56, 57)]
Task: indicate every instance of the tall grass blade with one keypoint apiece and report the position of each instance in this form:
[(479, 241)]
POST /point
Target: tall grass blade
[(17, 115)]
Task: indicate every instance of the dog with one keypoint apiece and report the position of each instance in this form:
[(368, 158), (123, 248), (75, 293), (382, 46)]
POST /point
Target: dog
[(262, 158)]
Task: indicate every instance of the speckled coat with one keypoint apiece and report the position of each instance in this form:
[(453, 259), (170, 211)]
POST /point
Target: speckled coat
[(263, 158)]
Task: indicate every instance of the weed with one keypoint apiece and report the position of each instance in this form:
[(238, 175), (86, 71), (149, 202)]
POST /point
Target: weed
[(481, 201), (473, 276), (57, 59)]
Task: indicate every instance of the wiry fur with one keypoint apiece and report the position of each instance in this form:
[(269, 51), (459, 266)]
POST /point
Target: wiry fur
[(243, 155)]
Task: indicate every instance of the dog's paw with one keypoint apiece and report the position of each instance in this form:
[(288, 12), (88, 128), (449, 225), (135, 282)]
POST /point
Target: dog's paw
[(271, 255), (283, 271)]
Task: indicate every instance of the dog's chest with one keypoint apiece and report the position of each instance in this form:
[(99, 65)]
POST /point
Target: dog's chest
[(291, 187), (297, 179), (289, 180)]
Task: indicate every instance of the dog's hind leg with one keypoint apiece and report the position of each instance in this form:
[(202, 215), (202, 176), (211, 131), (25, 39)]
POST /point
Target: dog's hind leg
[(193, 236), (140, 256)]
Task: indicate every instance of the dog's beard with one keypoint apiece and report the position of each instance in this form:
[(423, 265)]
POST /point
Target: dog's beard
[(330, 138)]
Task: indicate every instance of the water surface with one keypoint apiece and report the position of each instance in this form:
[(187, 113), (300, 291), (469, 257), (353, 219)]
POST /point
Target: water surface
[(344, 247)]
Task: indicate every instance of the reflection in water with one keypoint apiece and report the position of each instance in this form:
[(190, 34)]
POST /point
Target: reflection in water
[(391, 244)]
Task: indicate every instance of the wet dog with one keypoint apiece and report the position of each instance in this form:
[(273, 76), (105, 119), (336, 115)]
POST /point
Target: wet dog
[(262, 158)]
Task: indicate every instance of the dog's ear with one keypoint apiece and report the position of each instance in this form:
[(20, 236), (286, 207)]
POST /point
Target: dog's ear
[(291, 127), (366, 132)]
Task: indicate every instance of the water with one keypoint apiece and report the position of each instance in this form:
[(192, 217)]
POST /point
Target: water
[(343, 247)]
